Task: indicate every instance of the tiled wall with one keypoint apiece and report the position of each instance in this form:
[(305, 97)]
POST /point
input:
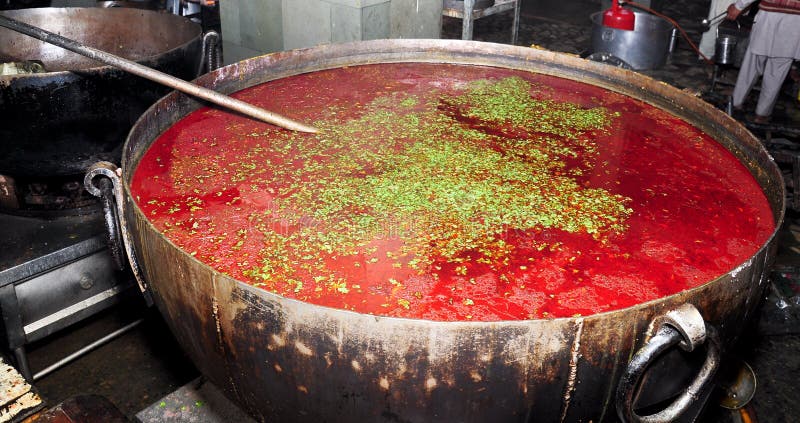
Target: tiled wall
[(253, 27)]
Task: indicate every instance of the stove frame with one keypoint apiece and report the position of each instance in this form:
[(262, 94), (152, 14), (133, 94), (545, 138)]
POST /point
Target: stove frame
[(54, 273)]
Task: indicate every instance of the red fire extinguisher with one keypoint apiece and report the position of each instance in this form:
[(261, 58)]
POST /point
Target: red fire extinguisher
[(618, 18)]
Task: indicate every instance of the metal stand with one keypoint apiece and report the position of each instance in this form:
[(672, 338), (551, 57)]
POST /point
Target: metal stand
[(469, 14), (715, 77)]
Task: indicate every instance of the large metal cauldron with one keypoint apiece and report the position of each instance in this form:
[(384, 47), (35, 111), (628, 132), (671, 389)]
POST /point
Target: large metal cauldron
[(284, 360), (646, 47), (79, 112)]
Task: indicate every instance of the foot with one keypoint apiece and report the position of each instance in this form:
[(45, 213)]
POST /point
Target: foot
[(737, 112), (761, 119)]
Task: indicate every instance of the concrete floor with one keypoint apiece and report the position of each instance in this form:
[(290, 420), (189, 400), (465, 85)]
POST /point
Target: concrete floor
[(140, 367)]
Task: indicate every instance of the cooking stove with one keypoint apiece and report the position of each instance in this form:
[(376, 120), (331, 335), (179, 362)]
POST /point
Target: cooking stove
[(55, 266)]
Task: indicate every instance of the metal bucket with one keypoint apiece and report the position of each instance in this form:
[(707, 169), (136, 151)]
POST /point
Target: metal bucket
[(646, 47), (742, 36), (725, 52)]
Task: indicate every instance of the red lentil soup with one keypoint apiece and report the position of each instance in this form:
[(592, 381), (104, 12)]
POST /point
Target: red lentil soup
[(453, 192)]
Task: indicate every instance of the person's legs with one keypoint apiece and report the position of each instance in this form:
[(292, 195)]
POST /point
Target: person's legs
[(775, 72), (752, 68)]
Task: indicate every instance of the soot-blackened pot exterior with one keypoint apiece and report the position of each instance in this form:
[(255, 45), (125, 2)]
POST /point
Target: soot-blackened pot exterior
[(59, 122), (285, 360)]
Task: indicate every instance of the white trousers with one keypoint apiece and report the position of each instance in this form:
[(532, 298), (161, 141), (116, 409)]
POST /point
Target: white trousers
[(774, 71)]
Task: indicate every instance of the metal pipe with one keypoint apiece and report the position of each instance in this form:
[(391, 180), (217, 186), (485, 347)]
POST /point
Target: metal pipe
[(155, 76), (77, 354)]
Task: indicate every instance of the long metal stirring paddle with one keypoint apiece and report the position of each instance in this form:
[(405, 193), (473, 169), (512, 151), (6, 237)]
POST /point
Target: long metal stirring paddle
[(155, 76)]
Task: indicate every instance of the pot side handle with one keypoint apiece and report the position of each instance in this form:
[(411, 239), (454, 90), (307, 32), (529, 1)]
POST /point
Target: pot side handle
[(104, 179), (686, 328), (210, 53)]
